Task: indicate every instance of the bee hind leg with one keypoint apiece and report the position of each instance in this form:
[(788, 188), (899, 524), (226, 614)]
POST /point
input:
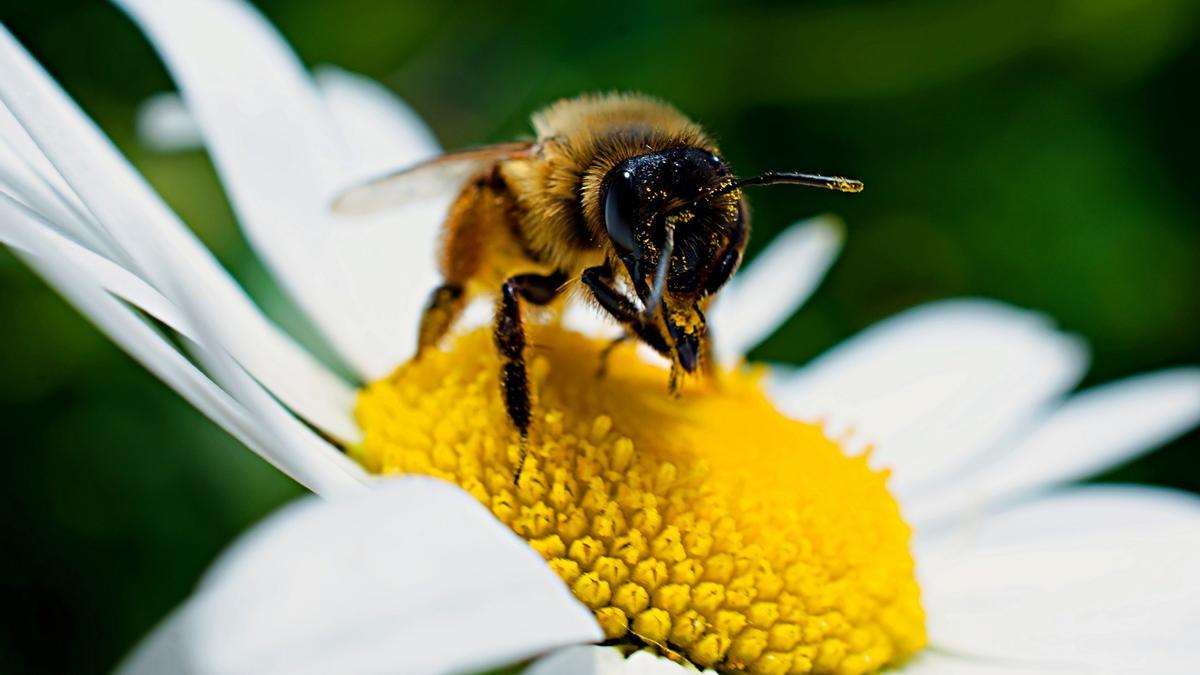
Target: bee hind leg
[(509, 336)]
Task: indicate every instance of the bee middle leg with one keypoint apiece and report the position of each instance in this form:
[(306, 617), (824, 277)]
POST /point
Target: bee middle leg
[(602, 369), (509, 335), (708, 358), (445, 304)]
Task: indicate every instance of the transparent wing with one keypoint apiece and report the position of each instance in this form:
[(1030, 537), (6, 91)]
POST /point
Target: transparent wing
[(441, 174)]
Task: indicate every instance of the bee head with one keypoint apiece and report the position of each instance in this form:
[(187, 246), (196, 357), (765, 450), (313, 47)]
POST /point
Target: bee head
[(678, 239), (677, 221), (648, 195)]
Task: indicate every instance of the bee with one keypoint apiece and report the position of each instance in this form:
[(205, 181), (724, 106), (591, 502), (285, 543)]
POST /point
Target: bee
[(618, 194)]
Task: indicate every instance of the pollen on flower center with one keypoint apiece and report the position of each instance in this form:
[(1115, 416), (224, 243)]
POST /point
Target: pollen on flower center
[(708, 527)]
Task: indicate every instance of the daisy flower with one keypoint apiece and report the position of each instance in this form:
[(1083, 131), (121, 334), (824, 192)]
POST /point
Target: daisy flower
[(899, 503)]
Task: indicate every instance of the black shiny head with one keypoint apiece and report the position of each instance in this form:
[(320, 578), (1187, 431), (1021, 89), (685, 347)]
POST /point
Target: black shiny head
[(677, 222), (647, 194), (679, 236)]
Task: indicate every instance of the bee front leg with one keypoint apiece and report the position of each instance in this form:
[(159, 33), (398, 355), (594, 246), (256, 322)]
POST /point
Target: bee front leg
[(509, 335), (599, 282)]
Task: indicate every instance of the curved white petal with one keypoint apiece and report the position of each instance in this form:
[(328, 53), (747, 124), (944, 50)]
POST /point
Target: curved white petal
[(380, 131), (28, 177), (1099, 428), (300, 450), (593, 660), (164, 650), (165, 124), (414, 576), (160, 248), (84, 277), (934, 662), (580, 660), (282, 159), (21, 228), (645, 663), (1076, 512), (141, 341), (935, 386), (772, 287), (1074, 593)]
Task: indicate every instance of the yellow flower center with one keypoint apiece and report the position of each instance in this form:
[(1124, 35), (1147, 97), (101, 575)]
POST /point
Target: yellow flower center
[(708, 527)]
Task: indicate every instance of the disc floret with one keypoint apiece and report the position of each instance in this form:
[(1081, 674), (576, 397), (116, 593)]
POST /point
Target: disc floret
[(707, 527)]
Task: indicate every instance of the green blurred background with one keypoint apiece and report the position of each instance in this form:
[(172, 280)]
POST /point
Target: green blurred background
[(1040, 152)]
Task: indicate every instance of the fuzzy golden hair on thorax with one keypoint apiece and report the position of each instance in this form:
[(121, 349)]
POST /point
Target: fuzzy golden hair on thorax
[(580, 140)]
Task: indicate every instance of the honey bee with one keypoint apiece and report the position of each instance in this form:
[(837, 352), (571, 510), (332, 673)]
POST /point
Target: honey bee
[(618, 193)]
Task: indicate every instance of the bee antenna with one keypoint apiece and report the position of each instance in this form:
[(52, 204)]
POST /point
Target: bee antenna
[(791, 178)]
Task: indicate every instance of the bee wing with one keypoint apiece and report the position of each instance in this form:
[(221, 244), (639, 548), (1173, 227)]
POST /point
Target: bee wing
[(429, 178)]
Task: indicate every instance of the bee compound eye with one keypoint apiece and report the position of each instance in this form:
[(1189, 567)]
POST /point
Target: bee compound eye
[(620, 210)]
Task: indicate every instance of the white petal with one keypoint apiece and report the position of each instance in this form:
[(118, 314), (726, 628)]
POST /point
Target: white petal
[(298, 448), (932, 662), (1075, 512), (774, 285), (1121, 599), (1099, 428), (381, 132), (580, 660), (160, 247), (134, 335), (165, 124), (412, 577), (593, 660), (281, 159), (645, 663), (935, 386), (28, 177), (164, 650), (22, 229), (76, 273)]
